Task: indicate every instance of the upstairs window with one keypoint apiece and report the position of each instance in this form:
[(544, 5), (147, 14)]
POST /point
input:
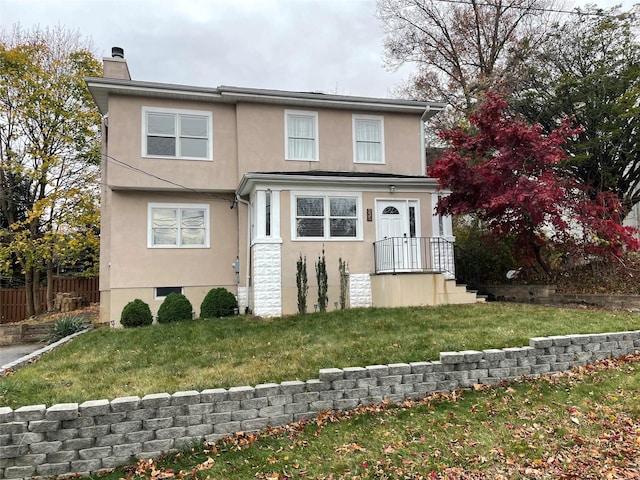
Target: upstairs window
[(301, 135), (368, 139), (183, 134), (178, 226)]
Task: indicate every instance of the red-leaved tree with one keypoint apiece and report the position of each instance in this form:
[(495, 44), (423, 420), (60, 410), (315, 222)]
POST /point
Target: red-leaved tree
[(503, 170)]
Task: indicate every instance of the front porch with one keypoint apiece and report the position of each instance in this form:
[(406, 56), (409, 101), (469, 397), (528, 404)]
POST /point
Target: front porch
[(415, 254), (416, 271)]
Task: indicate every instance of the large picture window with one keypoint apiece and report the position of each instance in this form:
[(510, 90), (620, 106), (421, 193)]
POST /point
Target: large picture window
[(178, 226), (368, 139), (184, 134), (327, 217), (301, 135)]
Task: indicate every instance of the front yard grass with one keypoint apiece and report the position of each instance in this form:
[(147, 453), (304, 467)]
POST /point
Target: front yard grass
[(110, 363)]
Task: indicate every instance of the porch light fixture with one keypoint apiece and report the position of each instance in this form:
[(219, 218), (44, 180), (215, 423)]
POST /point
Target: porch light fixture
[(392, 188)]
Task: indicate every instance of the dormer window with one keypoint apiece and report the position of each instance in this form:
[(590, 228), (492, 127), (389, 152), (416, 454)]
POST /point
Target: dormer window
[(181, 134)]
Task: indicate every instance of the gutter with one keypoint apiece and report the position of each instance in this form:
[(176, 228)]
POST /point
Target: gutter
[(296, 180)]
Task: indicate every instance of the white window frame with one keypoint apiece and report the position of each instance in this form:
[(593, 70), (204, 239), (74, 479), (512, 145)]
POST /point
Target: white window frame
[(178, 206), (259, 216), (354, 122), (442, 225), (316, 149), (177, 113), (326, 196)]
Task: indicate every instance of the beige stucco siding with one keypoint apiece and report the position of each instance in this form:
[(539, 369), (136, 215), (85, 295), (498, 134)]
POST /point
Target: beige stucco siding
[(126, 125), (133, 264), (261, 142), (358, 253), (248, 138)]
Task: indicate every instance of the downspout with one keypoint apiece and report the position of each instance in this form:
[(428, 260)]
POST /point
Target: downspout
[(423, 142), (248, 259)]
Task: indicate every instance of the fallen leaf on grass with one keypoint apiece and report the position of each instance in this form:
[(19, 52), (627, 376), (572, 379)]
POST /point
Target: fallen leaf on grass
[(350, 448)]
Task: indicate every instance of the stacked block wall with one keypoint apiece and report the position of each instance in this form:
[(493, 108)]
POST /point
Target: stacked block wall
[(98, 435)]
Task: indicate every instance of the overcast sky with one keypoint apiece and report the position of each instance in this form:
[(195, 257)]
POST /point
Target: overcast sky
[(332, 46)]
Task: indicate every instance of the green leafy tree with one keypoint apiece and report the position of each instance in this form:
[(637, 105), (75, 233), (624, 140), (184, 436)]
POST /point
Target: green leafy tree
[(589, 69), (49, 153)]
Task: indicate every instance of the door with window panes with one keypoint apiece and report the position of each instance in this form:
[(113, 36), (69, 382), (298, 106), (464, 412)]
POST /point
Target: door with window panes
[(399, 246)]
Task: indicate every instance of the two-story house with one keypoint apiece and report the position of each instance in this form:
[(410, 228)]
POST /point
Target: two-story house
[(229, 187)]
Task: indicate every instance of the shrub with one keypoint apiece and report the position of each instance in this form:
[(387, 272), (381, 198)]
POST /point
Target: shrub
[(219, 302), (343, 269), (136, 314), (321, 276), (175, 308), (302, 284), (66, 326)]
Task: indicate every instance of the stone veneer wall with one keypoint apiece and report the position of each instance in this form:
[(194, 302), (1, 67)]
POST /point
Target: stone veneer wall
[(360, 290), (101, 434), (243, 299), (267, 283)]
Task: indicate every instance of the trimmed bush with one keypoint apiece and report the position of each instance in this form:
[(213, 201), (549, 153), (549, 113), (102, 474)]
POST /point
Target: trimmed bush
[(66, 326), (175, 308), (219, 302), (136, 314)]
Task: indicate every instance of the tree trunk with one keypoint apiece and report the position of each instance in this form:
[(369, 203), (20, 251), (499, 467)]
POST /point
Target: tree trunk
[(537, 250), (28, 287), (31, 300), (36, 292), (49, 286)]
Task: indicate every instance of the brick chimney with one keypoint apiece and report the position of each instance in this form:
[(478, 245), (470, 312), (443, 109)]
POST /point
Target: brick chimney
[(116, 66)]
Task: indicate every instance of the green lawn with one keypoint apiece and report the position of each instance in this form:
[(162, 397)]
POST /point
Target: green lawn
[(239, 351)]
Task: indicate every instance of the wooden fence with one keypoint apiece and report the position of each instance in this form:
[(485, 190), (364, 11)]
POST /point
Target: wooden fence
[(13, 301)]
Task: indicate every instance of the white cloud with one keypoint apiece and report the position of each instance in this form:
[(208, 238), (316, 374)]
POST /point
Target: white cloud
[(307, 45)]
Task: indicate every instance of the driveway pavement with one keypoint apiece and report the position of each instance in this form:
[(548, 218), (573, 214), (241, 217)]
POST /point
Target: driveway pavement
[(12, 353), (16, 356)]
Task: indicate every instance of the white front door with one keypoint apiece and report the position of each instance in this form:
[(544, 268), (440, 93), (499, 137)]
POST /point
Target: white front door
[(397, 248)]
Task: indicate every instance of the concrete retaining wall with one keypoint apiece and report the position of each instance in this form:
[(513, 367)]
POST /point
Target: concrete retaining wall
[(98, 435), (546, 294)]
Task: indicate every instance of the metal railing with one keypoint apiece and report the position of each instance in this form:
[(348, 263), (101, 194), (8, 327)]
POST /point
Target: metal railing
[(414, 254), (468, 271)]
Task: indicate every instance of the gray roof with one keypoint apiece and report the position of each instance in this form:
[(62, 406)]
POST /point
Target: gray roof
[(356, 180), (101, 88)]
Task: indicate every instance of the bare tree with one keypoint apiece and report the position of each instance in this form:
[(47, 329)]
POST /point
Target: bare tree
[(462, 48)]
